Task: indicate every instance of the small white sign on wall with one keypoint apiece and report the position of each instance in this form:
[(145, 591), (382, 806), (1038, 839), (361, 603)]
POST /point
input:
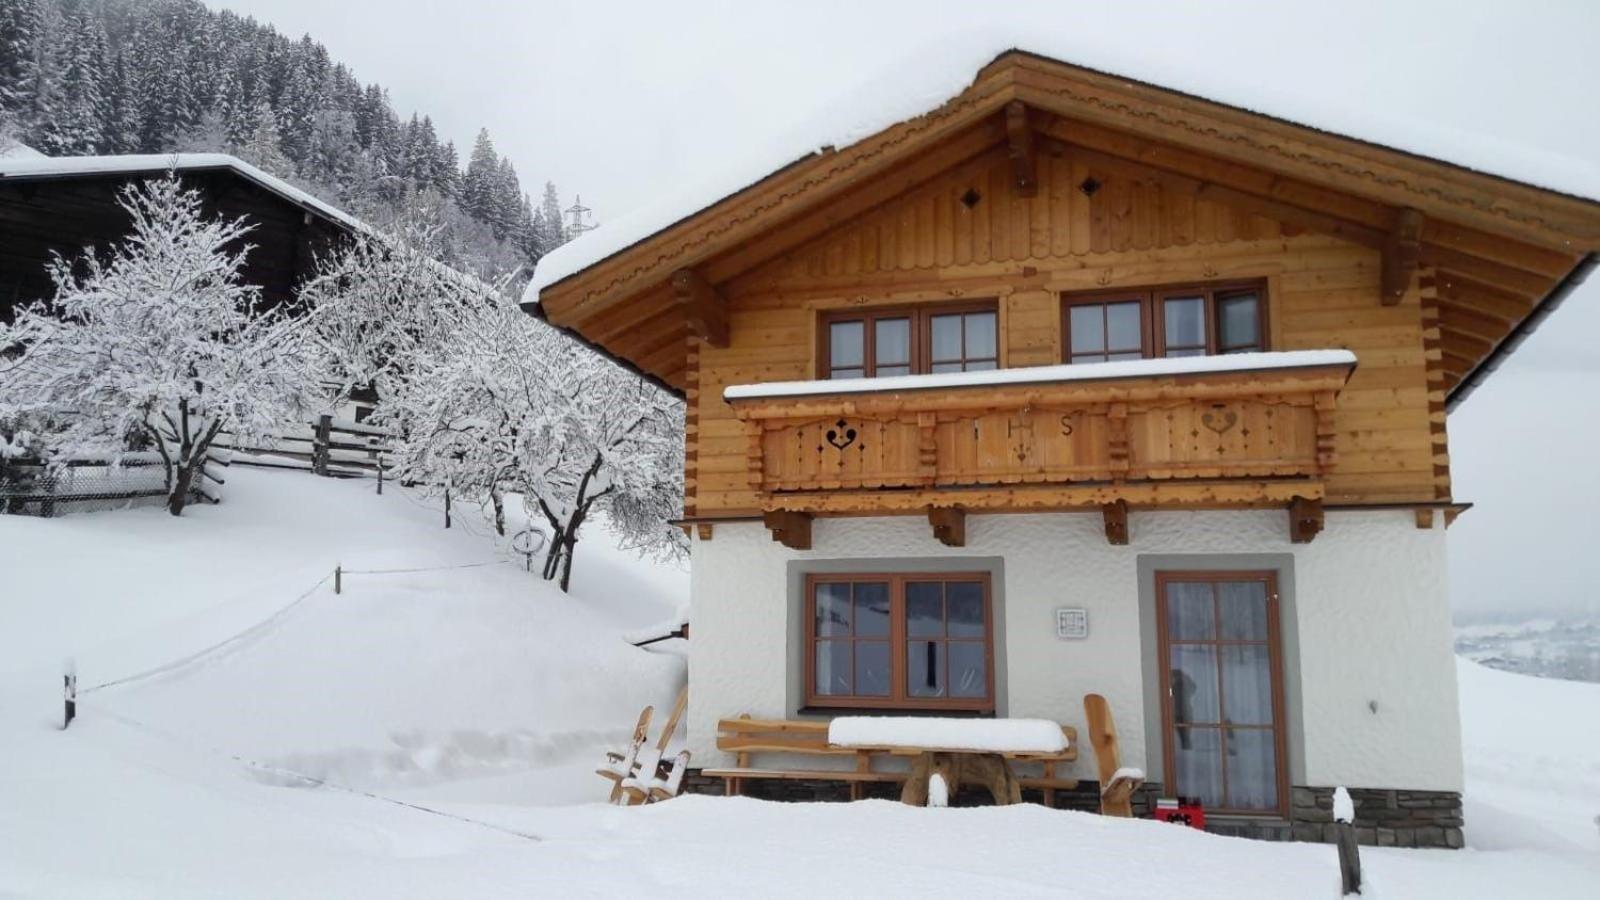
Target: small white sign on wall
[(1072, 623)]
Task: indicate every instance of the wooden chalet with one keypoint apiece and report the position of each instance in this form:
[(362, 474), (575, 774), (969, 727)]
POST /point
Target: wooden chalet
[(1081, 385)]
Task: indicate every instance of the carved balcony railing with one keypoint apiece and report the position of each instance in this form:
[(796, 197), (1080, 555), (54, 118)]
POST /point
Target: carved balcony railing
[(1251, 416)]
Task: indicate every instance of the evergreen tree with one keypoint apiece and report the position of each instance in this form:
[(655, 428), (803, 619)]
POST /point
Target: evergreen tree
[(20, 25), (477, 186), (121, 128), (76, 126), (553, 229), (263, 148)]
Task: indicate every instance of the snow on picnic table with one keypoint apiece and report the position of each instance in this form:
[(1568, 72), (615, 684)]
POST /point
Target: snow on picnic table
[(943, 733)]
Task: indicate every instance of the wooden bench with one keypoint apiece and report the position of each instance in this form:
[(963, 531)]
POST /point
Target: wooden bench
[(744, 736)]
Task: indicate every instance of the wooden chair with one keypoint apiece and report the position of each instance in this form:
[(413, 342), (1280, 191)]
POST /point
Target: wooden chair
[(1117, 784)]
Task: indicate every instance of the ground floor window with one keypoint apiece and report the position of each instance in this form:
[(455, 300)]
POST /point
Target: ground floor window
[(1222, 707), (900, 641)]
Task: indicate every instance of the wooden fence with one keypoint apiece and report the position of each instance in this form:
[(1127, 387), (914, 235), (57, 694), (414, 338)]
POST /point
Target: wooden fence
[(336, 448)]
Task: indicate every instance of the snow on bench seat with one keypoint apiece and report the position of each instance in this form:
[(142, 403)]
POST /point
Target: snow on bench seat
[(1101, 371), (983, 735)]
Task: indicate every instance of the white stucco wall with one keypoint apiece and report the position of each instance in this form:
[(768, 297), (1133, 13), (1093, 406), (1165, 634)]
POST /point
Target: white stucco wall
[(1371, 624)]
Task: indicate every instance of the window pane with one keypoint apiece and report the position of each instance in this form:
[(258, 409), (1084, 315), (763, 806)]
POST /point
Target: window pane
[(1194, 683), (1123, 328), (925, 608), (947, 367), (1246, 684), (833, 609), (872, 609), (1252, 762), (893, 342), (1189, 611), (1238, 322), (1087, 323), (872, 668), (847, 373), (1185, 322), (1244, 610), (833, 667), (925, 668), (981, 335), (846, 343), (969, 677), (1121, 357), (965, 599), (985, 366), (947, 337), (1186, 351), (1197, 757), (886, 371)]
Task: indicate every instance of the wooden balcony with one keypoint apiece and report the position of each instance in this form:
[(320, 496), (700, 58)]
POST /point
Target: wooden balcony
[(1114, 431)]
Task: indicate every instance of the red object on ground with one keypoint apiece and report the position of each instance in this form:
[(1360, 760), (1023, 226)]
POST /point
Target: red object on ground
[(1190, 813)]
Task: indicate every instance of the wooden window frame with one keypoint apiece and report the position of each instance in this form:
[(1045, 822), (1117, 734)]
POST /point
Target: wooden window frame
[(899, 698), (1280, 726), (1152, 315), (920, 316)]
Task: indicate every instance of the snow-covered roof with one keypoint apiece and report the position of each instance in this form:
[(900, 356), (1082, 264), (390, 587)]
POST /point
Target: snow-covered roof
[(1102, 371), (69, 166), (18, 150), (934, 76)]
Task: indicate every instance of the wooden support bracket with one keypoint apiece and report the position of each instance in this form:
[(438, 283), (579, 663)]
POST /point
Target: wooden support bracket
[(1116, 516), (1401, 251), (789, 528), (1305, 520), (1023, 150), (705, 530), (703, 306), (949, 525)]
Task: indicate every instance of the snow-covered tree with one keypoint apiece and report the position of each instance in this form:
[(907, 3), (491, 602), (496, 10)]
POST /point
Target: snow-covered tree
[(160, 344)]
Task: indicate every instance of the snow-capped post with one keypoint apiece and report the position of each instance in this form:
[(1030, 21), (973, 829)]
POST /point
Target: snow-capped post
[(69, 687), (1344, 815), (319, 447), (338, 579), (447, 509)]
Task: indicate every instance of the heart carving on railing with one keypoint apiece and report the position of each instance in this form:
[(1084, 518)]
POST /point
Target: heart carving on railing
[(840, 436), (1219, 419)]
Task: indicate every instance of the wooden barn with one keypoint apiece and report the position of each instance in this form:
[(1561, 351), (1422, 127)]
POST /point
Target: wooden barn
[(1079, 386)]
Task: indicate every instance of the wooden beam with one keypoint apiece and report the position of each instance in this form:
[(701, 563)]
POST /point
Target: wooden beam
[(703, 306), (1116, 516), (705, 530), (1305, 520), (1023, 150), (1425, 519), (1401, 252), (949, 525), (789, 528)]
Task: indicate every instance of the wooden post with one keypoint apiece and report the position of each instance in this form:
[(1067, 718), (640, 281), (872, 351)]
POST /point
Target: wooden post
[(447, 509), (338, 579), (319, 446), (69, 683), (1349, 858), (380, 476)]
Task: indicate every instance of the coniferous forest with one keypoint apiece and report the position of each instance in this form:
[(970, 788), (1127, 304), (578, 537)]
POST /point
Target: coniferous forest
[(81, 77)]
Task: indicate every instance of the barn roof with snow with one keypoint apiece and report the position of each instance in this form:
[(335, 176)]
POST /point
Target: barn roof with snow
[(1505, 252)]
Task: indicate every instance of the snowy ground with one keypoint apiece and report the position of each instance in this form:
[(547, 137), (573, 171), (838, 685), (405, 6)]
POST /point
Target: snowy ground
[(482, 696)]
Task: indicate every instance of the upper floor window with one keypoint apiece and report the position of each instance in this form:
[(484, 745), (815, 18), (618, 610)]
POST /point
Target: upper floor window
[(1201, 320), (879, 343)]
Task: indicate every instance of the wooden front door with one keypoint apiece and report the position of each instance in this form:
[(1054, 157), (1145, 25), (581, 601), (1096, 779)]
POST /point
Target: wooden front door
[(1222, 707)]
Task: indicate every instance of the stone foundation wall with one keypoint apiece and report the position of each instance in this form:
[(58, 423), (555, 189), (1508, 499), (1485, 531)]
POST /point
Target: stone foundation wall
[(1384, 818)]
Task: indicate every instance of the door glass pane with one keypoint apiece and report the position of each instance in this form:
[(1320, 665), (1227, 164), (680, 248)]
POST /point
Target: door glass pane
[(1247, 684), (1238, 325), (1194, 683), (1252, 761), (947, 337), (1087, 324), (846, 343), (968, 675), (1197, 759), (1190, 614), (925, 668), (872, 609), (1244, 610), (833, 667), (1185, 321), (833, 609), (981, 335), (893, 343), (1123, 331), (925, 608), (965, 599), (872, 668)]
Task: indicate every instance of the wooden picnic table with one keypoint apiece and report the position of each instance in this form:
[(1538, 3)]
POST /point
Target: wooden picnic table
[(989, 766)]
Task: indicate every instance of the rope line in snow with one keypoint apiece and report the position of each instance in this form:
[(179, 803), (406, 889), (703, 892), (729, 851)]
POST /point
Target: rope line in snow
[(311, 779), (492, 562), (207, 651)]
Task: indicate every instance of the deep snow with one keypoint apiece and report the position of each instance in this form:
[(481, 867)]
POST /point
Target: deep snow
[(485, 696)]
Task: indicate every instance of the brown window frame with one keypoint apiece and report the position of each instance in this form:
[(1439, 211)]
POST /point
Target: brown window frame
[(899, 697), (921, 320), (1274, 642), (1152, 318)]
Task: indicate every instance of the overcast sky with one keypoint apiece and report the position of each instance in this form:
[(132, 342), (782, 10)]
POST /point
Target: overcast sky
[(622, 102)]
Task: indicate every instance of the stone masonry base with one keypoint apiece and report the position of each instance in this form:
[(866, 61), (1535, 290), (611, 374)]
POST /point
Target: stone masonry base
[(1384, 817)]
